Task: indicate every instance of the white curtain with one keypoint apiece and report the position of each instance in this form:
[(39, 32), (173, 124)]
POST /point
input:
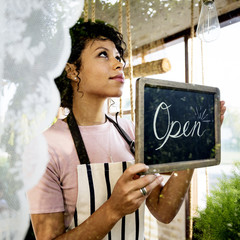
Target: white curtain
[(34, 47)]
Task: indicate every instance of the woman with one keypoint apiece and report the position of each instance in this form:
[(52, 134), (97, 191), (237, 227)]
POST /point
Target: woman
[(104, 199)]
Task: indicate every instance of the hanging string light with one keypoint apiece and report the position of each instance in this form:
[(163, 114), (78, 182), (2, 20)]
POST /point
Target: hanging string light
[(208, 28), (206, 170), (201, 40)]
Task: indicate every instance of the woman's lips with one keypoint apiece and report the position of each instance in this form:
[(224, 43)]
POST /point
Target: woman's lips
[(118, 78)]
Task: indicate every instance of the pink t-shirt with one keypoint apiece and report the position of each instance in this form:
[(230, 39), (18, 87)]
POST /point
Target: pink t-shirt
[(57, 189)]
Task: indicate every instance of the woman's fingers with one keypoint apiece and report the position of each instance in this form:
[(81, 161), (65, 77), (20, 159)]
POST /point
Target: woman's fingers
[(147, 183), (133, 170), (136, 182), (222, 110)]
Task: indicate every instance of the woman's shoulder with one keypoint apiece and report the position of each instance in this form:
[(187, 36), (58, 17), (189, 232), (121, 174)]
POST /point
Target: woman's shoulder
[(57, 128), (58, 135)]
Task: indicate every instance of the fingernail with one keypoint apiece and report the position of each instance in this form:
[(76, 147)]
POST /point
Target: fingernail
[(160, 178)]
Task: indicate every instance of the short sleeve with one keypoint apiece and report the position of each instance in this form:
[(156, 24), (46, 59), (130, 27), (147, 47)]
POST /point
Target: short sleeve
[(46, 196)]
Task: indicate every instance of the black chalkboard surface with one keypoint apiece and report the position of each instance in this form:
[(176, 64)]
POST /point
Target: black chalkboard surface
[(177, 125)]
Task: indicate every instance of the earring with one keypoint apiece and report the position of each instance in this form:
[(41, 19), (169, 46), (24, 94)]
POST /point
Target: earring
[(66, 111)]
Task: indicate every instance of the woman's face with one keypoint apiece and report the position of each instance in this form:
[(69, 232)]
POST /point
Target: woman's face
[(101, 70)]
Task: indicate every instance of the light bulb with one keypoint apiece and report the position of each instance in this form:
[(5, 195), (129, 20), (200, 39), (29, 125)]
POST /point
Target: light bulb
[(208, 28)]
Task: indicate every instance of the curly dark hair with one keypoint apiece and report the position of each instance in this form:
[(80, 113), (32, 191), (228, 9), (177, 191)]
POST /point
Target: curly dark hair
[(81, 33)]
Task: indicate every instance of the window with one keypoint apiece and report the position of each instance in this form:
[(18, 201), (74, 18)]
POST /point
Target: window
[(221, 69)]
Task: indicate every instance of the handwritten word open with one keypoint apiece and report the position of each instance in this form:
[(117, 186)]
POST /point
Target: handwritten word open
[(182, 130)]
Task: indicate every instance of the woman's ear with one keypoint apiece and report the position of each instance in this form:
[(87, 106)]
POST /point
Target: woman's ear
[(72, 72)]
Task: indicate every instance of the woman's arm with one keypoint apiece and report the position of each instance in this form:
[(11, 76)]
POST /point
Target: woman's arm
[(125, 199), (165, 202), (51, 225), (48, 225)]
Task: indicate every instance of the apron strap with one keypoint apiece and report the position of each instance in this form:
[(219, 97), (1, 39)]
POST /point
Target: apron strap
[(129, 141), (77, 138), (80, 147), (78, 141)]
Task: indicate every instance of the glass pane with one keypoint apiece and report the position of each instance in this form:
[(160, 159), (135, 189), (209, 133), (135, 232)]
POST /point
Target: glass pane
[(175, 53)]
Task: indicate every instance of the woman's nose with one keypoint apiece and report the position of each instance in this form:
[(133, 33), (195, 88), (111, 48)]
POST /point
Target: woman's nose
[(117, 64)]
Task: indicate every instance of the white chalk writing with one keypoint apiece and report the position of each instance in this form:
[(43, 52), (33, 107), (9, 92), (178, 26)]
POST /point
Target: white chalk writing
[(182, 129)]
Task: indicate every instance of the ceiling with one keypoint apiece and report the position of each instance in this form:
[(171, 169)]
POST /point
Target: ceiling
[(152, 20)]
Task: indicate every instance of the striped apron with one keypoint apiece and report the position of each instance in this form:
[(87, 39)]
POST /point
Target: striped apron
[(95, 185)]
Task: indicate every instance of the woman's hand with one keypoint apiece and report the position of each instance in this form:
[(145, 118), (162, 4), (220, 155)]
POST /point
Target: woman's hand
[(126, 196)]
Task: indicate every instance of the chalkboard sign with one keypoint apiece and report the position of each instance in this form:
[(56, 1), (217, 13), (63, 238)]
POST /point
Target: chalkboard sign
[(177, 125)]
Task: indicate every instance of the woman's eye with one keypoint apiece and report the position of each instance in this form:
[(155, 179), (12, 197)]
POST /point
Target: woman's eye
[(118, 58), (103, 54)]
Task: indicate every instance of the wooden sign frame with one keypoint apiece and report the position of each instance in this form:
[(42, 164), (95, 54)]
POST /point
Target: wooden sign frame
[(139, 131)]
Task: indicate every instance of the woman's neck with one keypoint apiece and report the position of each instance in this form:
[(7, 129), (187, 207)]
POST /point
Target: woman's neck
[(89, 112)]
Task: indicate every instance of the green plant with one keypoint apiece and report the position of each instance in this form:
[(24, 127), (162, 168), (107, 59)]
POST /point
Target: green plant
[(220, 220)]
